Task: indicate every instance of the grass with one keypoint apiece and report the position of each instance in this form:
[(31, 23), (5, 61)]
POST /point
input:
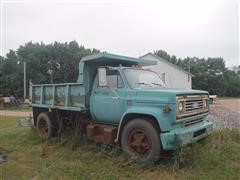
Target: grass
[(217, 157), (228, 98), (21, 108)]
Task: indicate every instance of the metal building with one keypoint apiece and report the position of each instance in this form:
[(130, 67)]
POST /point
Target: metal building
[(172, 75)]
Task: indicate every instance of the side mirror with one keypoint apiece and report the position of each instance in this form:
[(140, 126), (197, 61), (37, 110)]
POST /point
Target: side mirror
[(102, 77)]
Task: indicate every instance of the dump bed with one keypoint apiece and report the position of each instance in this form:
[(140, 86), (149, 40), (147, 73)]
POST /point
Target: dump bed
[(67, 96)]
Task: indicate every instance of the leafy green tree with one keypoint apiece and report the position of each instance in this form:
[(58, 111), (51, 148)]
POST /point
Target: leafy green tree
[(163, 54), (232, 84), (10, 71), (60, 58)]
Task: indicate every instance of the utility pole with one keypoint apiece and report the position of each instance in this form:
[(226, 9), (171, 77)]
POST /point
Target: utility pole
[(189, 67), (24, 81), (50, 71), (52, 66), (51, 74)]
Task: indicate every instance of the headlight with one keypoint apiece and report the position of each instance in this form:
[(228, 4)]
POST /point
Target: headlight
[(180, 106), (205, 103)]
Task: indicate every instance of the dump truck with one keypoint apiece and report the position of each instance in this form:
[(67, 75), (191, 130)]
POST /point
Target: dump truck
[(117, 102)]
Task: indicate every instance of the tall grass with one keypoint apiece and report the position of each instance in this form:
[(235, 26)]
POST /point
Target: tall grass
[(70, 157), (218, 155)]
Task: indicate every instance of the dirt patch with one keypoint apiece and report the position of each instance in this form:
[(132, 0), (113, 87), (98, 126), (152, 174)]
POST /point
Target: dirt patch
[(232, 104), (15, 113)]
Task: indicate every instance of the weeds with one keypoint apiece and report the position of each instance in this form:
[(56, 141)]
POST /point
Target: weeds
[(216, 150), (20, 108), (218, 154)]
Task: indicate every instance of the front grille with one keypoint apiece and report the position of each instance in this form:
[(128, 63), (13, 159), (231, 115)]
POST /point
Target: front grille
[(192, 105)]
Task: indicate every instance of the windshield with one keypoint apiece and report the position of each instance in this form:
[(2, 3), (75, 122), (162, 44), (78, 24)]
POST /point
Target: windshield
[(139, 77)]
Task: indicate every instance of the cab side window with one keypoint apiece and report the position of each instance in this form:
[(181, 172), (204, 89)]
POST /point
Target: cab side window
[(114, 79)]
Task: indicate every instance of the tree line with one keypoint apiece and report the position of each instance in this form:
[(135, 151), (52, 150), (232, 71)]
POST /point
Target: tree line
[(62, 60)]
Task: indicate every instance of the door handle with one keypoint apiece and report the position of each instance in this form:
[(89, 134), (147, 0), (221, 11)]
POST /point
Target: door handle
[(96, 92)]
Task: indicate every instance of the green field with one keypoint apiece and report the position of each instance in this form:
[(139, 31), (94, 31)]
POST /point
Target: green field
[(217, 157), (21, 108)]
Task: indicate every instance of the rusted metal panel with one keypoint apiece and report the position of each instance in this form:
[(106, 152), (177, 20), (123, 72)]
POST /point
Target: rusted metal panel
[(101, 133)]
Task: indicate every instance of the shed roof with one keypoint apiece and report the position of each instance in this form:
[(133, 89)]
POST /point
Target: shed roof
[(171, 64), (113, 59)]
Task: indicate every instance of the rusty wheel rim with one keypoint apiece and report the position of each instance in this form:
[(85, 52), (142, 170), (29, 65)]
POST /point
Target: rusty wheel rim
[(43, 128), (139, 142)]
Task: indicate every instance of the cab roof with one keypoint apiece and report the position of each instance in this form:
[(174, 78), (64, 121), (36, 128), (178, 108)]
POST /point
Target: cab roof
[(114, 60)]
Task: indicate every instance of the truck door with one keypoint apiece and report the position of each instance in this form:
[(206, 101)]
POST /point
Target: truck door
[(107, 103)]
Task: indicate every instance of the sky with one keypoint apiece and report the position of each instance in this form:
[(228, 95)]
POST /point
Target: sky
[(198, 28)]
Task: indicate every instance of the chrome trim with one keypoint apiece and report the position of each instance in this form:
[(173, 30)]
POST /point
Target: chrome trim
[(192, 105)]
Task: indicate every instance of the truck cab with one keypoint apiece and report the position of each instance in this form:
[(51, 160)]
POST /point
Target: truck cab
[(127, 106)]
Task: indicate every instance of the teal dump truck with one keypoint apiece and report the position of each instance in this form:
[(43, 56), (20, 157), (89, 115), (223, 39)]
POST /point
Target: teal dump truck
[(117, 102)]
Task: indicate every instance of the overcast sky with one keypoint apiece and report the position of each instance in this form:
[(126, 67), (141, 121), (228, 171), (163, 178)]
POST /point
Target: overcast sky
[(183, 28)]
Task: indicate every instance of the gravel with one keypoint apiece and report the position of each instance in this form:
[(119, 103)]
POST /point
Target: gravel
[(223, 117)]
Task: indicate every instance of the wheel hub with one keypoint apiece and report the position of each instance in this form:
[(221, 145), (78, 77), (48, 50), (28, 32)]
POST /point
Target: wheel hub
[(139, 142), (43, 127)]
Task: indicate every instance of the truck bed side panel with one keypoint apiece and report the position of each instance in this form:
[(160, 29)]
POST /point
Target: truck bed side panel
[(68, 96)]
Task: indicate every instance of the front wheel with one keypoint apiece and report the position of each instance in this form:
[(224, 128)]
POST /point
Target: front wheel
[(140, 138)]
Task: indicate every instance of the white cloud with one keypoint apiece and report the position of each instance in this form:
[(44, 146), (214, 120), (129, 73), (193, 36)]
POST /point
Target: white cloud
[(183, 28)]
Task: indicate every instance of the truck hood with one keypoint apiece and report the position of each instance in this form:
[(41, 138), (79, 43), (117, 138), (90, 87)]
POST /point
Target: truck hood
[(163, 95)]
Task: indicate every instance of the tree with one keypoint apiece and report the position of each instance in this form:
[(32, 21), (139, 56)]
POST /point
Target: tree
[(62, 58), (10, 71), (232, 83)]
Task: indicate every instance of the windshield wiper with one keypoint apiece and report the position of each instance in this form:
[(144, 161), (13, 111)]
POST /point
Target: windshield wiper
[(157, 84), (143, 83)]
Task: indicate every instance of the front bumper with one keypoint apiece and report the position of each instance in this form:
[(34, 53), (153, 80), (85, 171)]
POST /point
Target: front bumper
[(181, 136)]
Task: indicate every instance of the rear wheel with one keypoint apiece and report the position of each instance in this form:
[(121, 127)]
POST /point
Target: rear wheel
[(45, 125), (140, 138)]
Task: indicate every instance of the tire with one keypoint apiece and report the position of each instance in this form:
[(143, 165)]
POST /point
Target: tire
[(45, 125), (140, 138)]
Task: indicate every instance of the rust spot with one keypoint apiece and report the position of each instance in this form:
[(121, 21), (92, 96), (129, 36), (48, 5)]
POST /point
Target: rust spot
[(139, 142)]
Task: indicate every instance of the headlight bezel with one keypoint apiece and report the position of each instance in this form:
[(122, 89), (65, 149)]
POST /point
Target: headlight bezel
[(180, 104), (205, 103)]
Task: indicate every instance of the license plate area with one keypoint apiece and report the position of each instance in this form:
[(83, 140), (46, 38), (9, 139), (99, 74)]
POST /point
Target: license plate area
[(199, 132)]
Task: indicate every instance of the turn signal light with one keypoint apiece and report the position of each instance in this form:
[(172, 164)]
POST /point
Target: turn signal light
[(166, 109)]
